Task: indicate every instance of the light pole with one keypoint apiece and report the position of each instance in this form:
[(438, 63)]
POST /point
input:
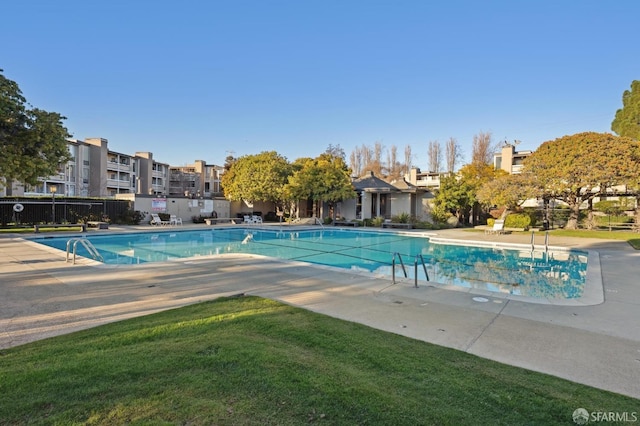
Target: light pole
[(53, 190)]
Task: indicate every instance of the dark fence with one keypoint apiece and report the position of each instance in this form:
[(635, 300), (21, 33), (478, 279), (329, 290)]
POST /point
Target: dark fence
[(37, 210)]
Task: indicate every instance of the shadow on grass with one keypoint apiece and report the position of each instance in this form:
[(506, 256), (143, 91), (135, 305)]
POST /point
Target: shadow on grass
[(248, 360)]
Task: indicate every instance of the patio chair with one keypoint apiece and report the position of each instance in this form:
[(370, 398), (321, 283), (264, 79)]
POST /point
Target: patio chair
[(252, 219), (498, 228), (156, 221), (175, 220)]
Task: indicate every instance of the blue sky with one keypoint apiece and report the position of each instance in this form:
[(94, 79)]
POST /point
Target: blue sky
[(204, 79)]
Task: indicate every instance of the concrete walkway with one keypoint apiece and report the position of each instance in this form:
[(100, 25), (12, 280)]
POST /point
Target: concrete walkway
[(598, 345)]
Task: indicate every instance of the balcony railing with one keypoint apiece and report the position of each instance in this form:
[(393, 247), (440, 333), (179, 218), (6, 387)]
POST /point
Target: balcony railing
[(114, 165), (118, 183)]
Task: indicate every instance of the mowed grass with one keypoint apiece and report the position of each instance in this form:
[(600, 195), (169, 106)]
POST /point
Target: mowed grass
[(633, 238), (253, 361), (43, 229)]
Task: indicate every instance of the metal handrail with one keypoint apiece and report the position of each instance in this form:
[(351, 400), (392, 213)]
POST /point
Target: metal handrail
[(393, 267), (87, 245), (546, 241), (533, 240), (415, 268), (319, 222)]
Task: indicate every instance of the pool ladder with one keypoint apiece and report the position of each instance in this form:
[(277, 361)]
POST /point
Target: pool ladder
[(546, 241), (87, 245), (397, 255)]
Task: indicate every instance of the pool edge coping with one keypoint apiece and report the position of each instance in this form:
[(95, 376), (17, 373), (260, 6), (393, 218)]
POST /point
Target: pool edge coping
[(593, 292)]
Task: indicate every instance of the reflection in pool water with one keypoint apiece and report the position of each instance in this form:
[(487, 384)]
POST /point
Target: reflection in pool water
[(553, 274)]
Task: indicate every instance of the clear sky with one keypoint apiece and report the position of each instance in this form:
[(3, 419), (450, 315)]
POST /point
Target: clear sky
[(191, 80)]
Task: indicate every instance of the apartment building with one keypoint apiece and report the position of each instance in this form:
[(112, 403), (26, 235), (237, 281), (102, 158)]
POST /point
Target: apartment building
[(152, 176), (510, 160), (196, 180), (72, 178), (426, 180), (96, 171), (113, 173)]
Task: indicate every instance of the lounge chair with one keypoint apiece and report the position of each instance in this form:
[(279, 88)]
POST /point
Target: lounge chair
[(252, 219), (498, 228), (155, 220)]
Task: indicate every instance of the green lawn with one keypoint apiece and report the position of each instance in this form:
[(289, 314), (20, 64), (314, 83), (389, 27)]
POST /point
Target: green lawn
[(633, 238), (43, 228), (251, 361)]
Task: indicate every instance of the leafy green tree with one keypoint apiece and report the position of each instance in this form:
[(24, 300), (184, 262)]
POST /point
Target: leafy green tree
[(456, 196), (510, 191), (577, 168), (259, 177), (33, 142), (627, 119), (474, 176), (457, 193), (323, 179)]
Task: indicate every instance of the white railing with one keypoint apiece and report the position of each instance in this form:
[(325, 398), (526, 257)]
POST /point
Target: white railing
[(93, 252)]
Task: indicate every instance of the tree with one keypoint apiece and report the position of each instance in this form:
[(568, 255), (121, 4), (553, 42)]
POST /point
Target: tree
[(228, 162), (375, 164), (473, 176), (457, 193), (454, 196), (453, 154), (510, 191), (335, 151), (393, 165), (434, 153), (33, 142), (365, 159), (323, 179), (627, 119), (396, 169), (408, 159), (259, 177), (577, 168), (355, 162), (482, 149)]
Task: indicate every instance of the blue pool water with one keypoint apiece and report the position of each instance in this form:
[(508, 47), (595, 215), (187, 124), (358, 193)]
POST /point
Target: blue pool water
[(521, 272)]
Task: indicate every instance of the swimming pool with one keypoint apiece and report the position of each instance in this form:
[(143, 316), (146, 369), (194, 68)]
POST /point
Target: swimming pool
[(537, 274)]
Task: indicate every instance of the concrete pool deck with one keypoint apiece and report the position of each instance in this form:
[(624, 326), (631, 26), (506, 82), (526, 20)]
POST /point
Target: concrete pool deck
[(598, 345)]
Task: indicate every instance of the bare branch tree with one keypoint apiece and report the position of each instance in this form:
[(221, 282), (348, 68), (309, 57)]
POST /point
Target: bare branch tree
[(483, 149), (453, 154), (335, 151), (355, 162), (377, 165), (393, 165), (367, 155), (434, 153), (365, 159), (408, 159)]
